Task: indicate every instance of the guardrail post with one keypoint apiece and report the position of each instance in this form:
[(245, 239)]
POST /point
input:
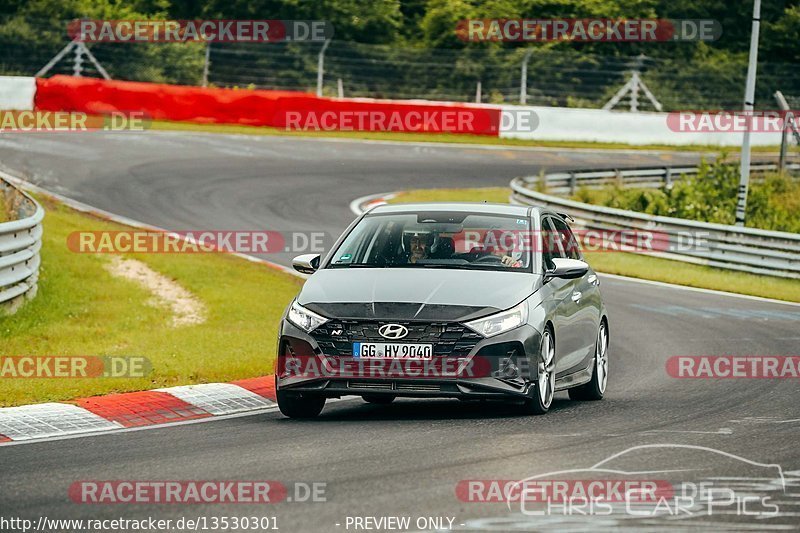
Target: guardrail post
[(618, 175), (668, 177), (573, 183)]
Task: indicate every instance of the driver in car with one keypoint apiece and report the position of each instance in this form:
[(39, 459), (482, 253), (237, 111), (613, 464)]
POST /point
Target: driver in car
[(417, 246), (496, 242)]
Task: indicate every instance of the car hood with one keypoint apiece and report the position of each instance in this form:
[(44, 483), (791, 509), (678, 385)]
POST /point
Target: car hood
[(414, 294)]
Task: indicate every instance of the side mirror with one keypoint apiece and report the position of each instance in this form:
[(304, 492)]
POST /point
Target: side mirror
[(306, 263), (567, 269)]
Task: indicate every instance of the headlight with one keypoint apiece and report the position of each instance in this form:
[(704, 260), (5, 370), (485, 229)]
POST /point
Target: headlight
[(303, 318), (501, 322)]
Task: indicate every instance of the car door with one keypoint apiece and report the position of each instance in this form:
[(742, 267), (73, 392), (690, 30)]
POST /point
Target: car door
[(561, 290), (582, 307)]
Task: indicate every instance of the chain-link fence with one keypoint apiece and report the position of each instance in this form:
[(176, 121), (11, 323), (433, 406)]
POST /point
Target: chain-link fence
[(554, 78)]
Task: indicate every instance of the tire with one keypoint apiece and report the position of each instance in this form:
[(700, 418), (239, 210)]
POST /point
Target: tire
[(544, 388), (596, 388), (300, 405), (378, 399)]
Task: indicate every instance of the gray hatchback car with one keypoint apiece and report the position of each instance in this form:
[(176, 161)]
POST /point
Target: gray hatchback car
[(458, 300)]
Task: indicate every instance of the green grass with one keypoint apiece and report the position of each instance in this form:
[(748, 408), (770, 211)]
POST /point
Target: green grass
[(636, 265), (81, 309), (433, 137)]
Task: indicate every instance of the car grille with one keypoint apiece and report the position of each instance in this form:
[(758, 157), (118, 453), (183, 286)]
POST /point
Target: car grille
[(335, 338), (376, 385), (394, 386)]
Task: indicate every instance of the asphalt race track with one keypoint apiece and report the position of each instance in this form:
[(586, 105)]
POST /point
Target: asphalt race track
[(407, 459)]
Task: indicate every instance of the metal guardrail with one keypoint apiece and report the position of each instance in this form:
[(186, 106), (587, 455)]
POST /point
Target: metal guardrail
[(647, 177), (772, 253), (20, 242)]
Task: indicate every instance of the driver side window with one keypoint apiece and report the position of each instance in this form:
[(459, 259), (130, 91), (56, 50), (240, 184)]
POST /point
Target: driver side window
[(566, 238), (551, 244)]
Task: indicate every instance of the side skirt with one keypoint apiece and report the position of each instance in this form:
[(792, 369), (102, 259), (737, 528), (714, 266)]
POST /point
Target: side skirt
[(576, 378)]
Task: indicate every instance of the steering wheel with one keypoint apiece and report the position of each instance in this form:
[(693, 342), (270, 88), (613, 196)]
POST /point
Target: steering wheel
[(491, 258)]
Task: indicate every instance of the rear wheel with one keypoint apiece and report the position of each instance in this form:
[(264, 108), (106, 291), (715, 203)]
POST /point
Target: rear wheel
[(542, 395), (300, 404), (596, 388), (378, 399)]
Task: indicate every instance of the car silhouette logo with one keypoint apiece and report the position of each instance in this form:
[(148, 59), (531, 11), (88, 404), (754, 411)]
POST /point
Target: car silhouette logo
[(393, 331)]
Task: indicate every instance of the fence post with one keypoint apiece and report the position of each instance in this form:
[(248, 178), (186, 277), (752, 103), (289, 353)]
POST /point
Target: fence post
[(321, 66), (523, 78), (77, 65), (478, 93), (668, 177), (634, 105), (205, 64), (784, 106), (340, 88), (573, 183)]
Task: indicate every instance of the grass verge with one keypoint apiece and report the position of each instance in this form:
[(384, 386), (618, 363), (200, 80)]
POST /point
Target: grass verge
[(435, 137), (636, 265), (81, 309)]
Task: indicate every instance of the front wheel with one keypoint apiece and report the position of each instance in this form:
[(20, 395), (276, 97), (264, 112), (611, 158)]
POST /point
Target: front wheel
[(544, 388), (596, 388), (300, 405)]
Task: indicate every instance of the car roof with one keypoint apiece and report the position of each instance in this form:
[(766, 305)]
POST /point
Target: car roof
[(459, 207)]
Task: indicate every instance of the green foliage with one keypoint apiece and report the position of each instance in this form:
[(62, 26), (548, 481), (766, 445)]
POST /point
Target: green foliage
[(421, 55), (773, 202)]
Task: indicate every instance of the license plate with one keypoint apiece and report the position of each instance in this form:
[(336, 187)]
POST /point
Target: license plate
[(388, 350)]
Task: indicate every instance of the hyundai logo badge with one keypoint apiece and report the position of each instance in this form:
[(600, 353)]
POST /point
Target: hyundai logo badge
[(393, 331)]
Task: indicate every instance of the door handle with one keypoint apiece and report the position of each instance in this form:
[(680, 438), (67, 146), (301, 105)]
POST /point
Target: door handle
[(576, 296)]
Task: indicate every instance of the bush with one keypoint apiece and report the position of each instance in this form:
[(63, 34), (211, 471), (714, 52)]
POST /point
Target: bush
[(773, 202)]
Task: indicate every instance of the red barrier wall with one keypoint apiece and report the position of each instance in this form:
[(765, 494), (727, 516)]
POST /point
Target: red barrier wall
[(261, 108)]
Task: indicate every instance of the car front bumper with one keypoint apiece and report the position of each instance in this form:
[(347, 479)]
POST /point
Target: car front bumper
[(498, 367)]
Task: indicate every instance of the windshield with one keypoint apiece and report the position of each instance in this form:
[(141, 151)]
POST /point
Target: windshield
[(449, 240)]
